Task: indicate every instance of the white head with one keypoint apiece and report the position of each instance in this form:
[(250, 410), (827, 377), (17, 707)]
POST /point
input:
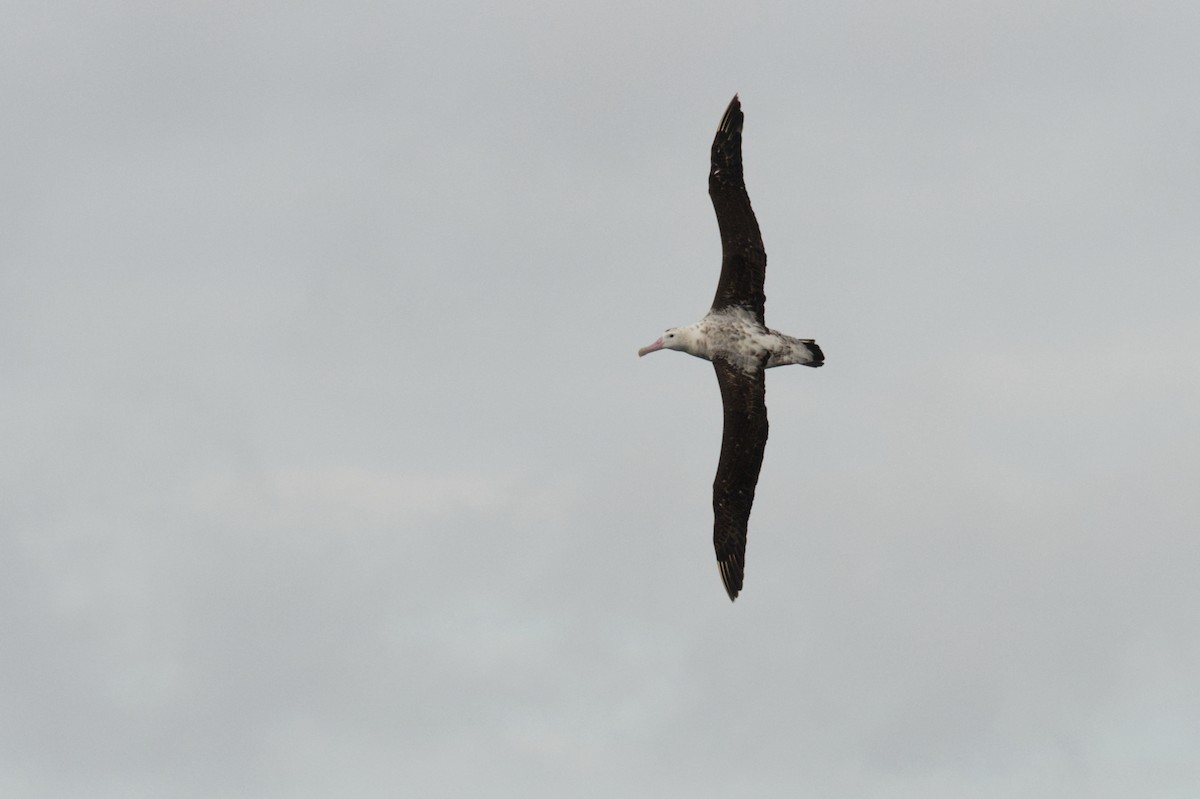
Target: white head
[(676, 338)]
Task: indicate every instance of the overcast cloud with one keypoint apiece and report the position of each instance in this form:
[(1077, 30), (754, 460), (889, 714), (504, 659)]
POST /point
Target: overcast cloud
[(329, 467)]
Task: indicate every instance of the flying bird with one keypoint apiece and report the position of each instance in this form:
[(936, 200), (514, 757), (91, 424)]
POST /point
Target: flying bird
[(734, 336)]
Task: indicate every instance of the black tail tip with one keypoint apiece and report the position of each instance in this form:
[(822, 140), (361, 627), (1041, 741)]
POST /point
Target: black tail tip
[(818, 356)]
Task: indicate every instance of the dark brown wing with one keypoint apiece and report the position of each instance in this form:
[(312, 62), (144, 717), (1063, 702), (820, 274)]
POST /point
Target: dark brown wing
[(742, 445), (744, 260)]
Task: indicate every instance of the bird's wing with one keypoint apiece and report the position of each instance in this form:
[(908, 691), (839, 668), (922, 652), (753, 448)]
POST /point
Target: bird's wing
[(744, 260), (742, 445)]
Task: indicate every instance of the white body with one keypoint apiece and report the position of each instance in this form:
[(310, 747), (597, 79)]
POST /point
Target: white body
[(734, 335)]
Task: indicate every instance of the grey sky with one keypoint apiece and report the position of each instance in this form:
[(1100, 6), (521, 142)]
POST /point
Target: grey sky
[(329, 466)]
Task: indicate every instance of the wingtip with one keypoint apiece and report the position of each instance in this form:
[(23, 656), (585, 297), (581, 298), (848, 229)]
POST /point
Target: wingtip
[(731, 576), (731, 120)]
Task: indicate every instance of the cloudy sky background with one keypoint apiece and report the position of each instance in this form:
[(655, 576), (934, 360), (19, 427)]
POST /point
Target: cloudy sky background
[(329, 467)]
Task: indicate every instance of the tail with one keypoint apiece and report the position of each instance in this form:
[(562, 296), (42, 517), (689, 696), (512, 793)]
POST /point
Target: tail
[(818, 357)]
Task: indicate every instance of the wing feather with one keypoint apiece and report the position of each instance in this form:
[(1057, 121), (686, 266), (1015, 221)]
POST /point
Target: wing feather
[(743, 442), (744, 259)]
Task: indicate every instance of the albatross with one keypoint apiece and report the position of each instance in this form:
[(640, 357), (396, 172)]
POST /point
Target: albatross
[(735, 337)]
